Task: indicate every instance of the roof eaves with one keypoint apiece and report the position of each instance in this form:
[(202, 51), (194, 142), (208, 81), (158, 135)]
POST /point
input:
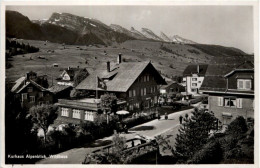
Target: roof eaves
[(235, 70)]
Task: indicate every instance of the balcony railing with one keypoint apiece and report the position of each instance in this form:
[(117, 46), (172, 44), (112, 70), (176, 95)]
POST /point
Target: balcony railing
[(78, 103)]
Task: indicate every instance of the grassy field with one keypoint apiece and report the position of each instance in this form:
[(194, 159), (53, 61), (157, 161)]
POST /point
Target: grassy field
[(170, 59)]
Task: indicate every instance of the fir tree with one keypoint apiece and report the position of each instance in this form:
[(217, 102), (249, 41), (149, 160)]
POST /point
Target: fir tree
[(193, 134)]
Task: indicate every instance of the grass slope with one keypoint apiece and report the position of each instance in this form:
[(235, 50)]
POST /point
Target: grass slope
[(171, 59)]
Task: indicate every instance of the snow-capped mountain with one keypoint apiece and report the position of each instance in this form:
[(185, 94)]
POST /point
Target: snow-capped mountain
[(69, 28), (178, 39), (75, 23), (150, 34), (137, 33), (165, 37), (40, 21)]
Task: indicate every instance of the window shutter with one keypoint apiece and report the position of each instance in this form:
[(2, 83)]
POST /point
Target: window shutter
[(240, 84), (248, 84), (239, 103), (220, 101)]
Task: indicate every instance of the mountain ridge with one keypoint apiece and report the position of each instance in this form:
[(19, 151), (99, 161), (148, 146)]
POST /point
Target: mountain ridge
[(71, 29)]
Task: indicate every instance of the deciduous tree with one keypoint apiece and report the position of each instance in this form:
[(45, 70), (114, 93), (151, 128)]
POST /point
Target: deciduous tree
[(109, 103), (43, 116)]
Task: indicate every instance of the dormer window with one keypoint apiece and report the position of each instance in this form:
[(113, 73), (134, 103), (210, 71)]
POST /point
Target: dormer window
[(244, 84)]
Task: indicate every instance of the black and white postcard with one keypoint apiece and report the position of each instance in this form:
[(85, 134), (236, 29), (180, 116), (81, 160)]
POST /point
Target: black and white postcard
[(129, 83)]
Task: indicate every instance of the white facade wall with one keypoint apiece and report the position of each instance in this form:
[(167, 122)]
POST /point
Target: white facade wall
[(193, 83)]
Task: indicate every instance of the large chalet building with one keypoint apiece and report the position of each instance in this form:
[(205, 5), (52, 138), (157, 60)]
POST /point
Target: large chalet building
[(134, 83), (31, 93), (231, 95)]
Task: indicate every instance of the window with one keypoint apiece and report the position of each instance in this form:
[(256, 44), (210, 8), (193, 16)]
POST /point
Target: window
[(147, 78), (144, 91), (40, 94), (40, 102), (230, 102), (199, 81), (32, 99), (220, 101), (131, 107), (144, 78), (148, 90), (134, 94), (155, 99), (194, 79), (137, 105), (194, 90), (64, 112), (29, 89), (244, 84), (152, 103), (155, 88), (76, 114), (146, 104), (239, 103), (130, 93), (89, 116), (151, 89), (194, 84), (24, 96)]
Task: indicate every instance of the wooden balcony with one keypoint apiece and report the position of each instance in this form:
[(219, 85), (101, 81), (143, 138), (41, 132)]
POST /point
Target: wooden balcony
[(91, 104)]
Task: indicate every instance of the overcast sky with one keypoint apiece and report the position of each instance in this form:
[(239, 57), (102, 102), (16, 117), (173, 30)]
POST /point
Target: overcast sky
[(230, 26)]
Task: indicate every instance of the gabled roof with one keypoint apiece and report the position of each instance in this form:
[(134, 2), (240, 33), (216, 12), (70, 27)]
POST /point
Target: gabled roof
[(71, 72), (246, 66), (18, 83), (192, 69), (215, 80), (169, 83), (22, 83), (124, 73), (214, 83)]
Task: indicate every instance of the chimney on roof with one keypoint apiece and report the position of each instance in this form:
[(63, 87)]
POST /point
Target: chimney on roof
[(108, 66), (198, 68), (119, 58)]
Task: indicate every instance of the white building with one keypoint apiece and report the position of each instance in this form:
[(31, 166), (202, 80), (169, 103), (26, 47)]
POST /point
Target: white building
[(193, 77)]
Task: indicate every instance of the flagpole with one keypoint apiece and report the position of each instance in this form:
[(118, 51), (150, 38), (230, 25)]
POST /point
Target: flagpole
[(96, 87)]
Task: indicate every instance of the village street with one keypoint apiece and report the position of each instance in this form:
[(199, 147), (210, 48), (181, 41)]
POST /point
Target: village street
[(162, 126)]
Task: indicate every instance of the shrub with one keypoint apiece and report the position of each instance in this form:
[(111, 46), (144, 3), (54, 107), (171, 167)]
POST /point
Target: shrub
[(237, 127)]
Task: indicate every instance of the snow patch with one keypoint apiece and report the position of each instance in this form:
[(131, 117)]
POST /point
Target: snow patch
[(92, 25), (56, 20)]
